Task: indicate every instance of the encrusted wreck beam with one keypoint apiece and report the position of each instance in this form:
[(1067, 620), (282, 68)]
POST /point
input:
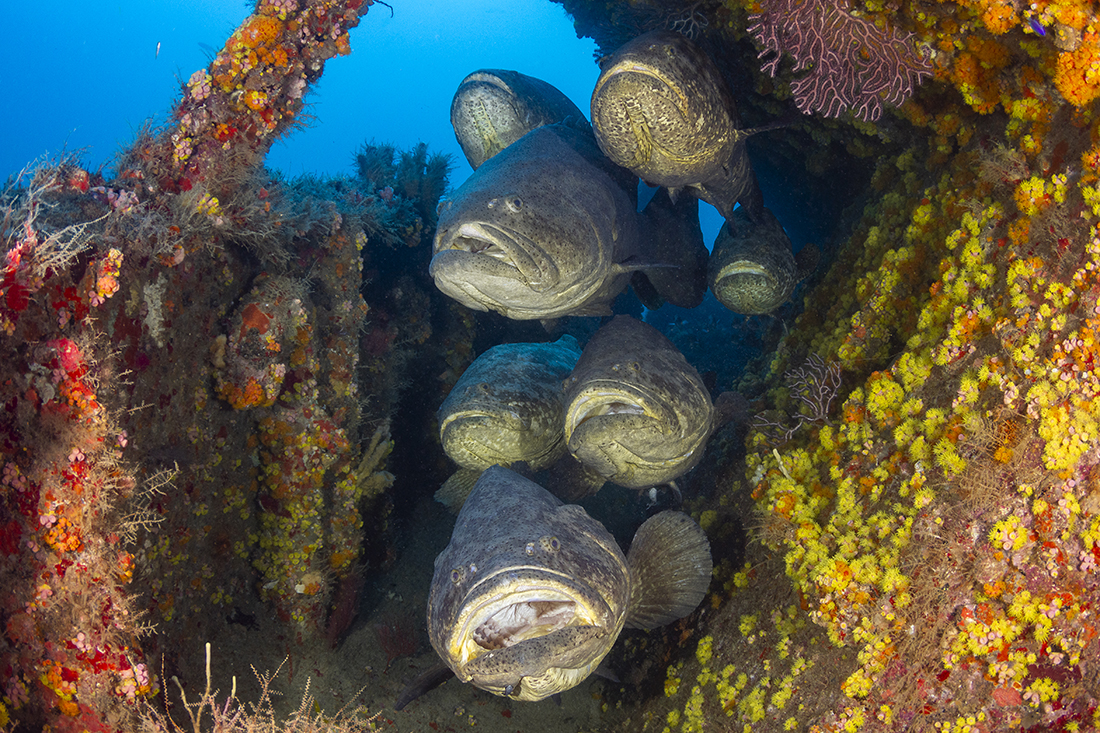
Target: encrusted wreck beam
[(251, 93)]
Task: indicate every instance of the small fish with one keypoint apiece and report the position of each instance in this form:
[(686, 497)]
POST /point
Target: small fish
[(637, 412), (661, 108), (493, 108), (541, 230), (530, 594), (157, 54), (507, 407), (751, 269)]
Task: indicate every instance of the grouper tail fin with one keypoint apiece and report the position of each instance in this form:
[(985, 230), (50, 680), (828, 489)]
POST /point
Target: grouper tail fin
[(670, 569)]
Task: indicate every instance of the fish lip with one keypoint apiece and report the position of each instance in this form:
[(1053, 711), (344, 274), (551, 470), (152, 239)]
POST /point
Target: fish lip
[(487, 78), (461, 289), (530, 261), (745, 267), (629, 66), (555, 586), (606, 392), (511, 419), (485, 454)]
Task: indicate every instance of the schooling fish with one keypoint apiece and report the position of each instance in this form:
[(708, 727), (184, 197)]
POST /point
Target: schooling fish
[(752, 270), (506, 407), (531, 593), (493, 108), (662, 109), (543, 229)]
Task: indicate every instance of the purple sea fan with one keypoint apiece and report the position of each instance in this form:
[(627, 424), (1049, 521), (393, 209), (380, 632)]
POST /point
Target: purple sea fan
[(851, 63)]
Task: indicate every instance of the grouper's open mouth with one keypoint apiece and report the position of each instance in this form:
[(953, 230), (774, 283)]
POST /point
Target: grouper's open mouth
[(615, 399), (522, 608), (509, 249)]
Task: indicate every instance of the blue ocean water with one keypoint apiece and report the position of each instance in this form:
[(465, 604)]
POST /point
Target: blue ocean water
[(87, 75), (84, 77)]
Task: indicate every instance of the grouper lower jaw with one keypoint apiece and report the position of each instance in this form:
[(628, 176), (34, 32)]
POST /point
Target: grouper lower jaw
[(456, 271), (537, 668), (536, 268)]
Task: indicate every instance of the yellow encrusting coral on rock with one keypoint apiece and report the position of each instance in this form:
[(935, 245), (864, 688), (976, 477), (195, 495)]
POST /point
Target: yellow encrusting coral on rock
[(940, 529)]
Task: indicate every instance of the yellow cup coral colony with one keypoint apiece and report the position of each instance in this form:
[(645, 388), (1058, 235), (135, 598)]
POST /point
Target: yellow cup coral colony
[(944, 525)]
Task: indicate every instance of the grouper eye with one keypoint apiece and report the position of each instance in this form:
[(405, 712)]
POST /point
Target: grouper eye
[(457, 575), (515, 203), (442, 206), (553, 544)]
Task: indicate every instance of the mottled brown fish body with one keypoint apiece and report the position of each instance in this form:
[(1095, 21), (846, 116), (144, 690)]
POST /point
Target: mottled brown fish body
[(751, 269), (530, 594), (493, 108), (507, 406), (637, 412), (673, 236), (661, 108), (541, 230)]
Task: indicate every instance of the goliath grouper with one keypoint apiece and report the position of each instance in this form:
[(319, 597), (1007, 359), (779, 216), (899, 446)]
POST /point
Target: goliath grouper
[(543, 229), (506, 407), (637, 412), (752, 270), (493, 108), (662, 109), (530, 594)]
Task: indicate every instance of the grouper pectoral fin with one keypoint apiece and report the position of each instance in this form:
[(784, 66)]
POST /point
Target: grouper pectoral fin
[(425, 682), (634, 263), (785, 121), (569, 648), (452, 494), (807, 259), (646, 291), (589, 309), (569, 479), (752, 198), (671, 234), (670, 567)]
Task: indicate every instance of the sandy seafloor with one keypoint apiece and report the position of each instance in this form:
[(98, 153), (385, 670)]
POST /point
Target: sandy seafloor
[(355, 673)]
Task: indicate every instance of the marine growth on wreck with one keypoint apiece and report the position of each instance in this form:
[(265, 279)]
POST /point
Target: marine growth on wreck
[(220, 443)]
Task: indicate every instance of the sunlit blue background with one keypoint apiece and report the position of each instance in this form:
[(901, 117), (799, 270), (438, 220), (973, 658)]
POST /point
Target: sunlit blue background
[(85, 76)]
